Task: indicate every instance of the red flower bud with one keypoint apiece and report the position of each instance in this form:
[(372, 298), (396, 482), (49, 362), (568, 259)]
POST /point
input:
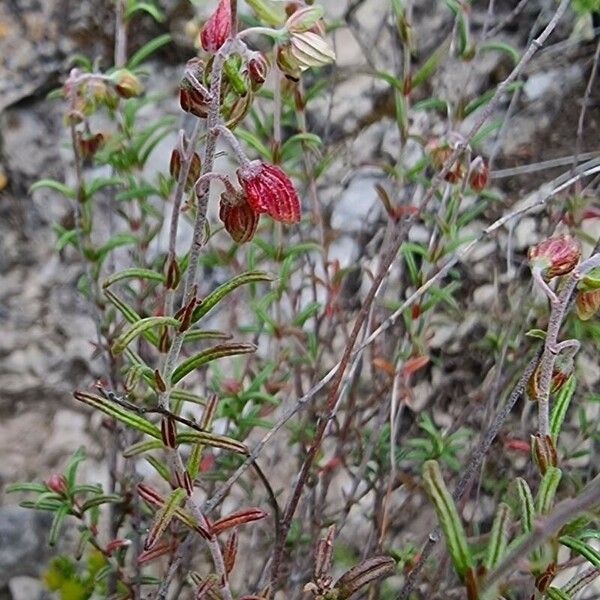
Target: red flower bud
[(269, 190), (239, 218), (57, 484), (193, 173), (89, 144), (555, 257), (258, 69), (218, 28), (479, 175)]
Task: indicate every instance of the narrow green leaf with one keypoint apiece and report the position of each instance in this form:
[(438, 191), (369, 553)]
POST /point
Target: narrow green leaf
[(254, 143), (525, 504), (57, 186), (223, 290), (501, 47), (212, 439), (185, 396), (71, 471), (134, 273), (431, 64), (40, 488), (119, 413), (197, 334), (498, 537), (147, 49), (204, 357), (130, 315), (99, 500), (100, 183), (138, 328), (561, 405), (146, 7), (57, 524), (553, 593), (160, 468), (581, 548), (264, 12), (47, 505), (141, 447), (547, 491), (164, 517), (448, 517)]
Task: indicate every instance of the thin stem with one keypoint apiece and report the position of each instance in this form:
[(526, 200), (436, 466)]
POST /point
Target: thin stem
[(233, 143), (121, 34), (186, 155)]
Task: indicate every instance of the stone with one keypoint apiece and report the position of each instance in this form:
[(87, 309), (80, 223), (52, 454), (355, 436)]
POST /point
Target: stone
[(23, 543), (26, 588)]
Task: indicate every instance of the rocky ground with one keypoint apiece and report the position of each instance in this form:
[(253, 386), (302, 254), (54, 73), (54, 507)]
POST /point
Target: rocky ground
[(45, 327)]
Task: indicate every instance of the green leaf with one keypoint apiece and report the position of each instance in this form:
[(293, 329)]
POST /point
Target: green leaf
[(130, 315), (57, 186), (264, 12), (556, 594), (289, 147), (47, 505), (223, 290), (119, 413), (539, 334), (212, 439), (99, 500), (147, 49), (547, 491), (146, 7), (431, 64), (185, 396), (581, 548), (198, 334), (164, 517), (498, 537), (160, 468), (100, 183), (206, 356), (116, 241), (40, 488), (448, 517), (561, 405), (485, 98), (134, 273), (254, 143), (57, 524), (141, 447), (501, 47), (526, 506), (138, 328), (71, 471)]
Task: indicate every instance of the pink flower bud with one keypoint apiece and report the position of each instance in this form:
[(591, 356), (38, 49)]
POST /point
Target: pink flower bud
[(269, 190), (57, 484), (555, 257), (218, 28)]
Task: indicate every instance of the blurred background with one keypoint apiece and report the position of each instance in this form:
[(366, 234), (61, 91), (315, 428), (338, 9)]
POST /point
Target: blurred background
[(46, 329)]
